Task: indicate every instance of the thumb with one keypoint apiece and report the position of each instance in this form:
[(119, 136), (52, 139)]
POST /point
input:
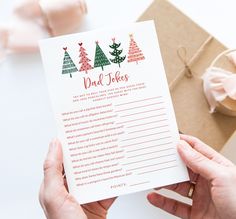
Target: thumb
[(197, 162), (53, 165)]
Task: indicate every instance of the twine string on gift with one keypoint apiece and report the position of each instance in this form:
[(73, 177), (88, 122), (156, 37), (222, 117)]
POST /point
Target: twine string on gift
[(182, 54)]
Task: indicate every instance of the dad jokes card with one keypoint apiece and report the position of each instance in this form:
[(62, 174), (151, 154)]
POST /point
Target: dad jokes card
[(113, 111)]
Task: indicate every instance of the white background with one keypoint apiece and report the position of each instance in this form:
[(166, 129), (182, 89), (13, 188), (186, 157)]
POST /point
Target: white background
[(26, 120)]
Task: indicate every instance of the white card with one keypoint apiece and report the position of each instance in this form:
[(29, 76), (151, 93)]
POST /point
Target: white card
[(113, 110)]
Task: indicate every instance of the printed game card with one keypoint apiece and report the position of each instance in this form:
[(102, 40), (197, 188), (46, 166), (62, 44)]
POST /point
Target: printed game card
[(113, 110)]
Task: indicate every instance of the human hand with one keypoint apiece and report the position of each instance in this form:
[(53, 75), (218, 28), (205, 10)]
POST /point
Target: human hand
[(214, 176), (54, 198)]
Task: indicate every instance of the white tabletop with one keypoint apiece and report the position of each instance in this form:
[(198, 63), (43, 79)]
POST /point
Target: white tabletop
[(26, 120)]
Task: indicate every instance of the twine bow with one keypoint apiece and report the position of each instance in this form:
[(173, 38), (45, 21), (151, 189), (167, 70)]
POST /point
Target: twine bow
[(182, 54)]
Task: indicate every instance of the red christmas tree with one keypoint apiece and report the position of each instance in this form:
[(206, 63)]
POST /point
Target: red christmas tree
[(135, 54), (84, 60)]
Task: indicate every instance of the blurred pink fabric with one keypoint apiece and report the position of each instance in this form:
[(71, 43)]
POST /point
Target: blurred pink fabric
[(218, 84), (33, 20)]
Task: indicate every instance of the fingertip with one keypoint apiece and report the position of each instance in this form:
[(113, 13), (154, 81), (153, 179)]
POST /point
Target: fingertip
[(183, 147), (54, 156), (184, 144), (155, 199), (151, 196), (185, 151), (181, 135), (184, 137), (148, 195), (54, 146), (53, 164), (54, 142), (179, 145)]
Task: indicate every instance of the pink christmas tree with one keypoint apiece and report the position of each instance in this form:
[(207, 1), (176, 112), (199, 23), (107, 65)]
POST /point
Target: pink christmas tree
[(135, 54), (84, 60)]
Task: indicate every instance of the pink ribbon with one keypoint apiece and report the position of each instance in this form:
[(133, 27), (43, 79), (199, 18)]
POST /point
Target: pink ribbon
[(218, 84), (232, 57), (33, 20)]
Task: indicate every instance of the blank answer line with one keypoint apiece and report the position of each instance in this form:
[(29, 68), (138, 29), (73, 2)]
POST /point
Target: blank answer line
[(142, 130), (152, 165), (148, 111), (145, 142), (140, 149), (154, 158), (148, 123), (134, 120), (137, 184), (153, 152), (164, 168), (137, 107), (157, 133), (138, 101)]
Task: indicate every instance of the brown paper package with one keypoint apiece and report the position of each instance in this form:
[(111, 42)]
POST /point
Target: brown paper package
[(192, 111)]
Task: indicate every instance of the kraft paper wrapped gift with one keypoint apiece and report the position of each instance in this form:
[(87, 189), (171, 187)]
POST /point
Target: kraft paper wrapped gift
[(177, 33)]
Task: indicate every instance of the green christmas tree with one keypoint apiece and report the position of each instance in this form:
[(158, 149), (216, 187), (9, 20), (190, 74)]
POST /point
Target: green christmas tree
[(116, 53), (100, 58), (68, 65)]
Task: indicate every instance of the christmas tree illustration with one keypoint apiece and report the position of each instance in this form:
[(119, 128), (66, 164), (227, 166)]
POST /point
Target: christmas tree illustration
[(84, 60), (68, 65), (135, 54), (100, 58), (116, 53)]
